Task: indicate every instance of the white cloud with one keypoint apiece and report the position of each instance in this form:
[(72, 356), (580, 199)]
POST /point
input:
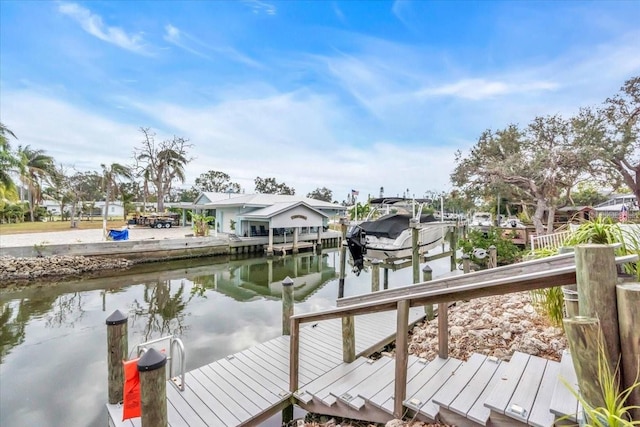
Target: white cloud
[(258, 6), (477, 89), (93, 24), (174, 36)]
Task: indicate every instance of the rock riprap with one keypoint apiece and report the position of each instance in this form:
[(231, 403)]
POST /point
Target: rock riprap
[(496, 326), (16, 269)]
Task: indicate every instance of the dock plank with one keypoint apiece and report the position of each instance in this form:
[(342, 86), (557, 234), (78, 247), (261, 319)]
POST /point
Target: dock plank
[(332, 376), (478, 411), (465, 400), (540, 415), (262, 368), (455, 385), (564, 402), (414, 366), (427, 391), (196, 412), (525, 393), (213, 397), (499, 399), (415, 384), (372, 385), (262, 388)]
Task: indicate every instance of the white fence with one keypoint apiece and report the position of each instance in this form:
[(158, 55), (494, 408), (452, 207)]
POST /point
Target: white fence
[(550, 241)]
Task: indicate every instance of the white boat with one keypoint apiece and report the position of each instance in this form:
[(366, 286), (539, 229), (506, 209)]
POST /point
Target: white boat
[(389, 237)]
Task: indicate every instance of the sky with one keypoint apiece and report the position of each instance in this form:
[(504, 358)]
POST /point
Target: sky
[(347, 95)]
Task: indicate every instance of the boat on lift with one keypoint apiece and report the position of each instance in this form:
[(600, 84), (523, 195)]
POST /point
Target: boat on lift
[(389, 237)]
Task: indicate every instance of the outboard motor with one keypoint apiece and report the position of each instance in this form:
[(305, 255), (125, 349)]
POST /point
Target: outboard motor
[(357, 244)]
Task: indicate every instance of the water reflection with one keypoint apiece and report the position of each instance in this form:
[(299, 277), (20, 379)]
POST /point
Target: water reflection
[(52, 337)]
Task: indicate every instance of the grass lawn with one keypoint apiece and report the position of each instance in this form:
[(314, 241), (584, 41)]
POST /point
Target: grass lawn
[(41, 227)]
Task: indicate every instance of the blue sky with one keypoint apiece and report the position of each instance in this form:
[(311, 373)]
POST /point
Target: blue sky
[(341, 94)]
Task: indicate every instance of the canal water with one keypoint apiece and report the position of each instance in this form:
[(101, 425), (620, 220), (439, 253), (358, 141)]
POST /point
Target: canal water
[(53, 369)]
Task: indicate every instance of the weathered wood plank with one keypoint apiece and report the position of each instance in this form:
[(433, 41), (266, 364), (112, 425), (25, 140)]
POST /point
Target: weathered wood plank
[(348, 381), (564, 402), (236, 389), (501, 395), (449, 391), (375, 383), (332, 376), (462, 403), (521, 403), (349, 394), (478, 412), (475, 277), (263, 368), (415, 384), (250, 382), (430, 409), (174, 418), (540, 415), (219, 397), (414, 366), (191, 406)]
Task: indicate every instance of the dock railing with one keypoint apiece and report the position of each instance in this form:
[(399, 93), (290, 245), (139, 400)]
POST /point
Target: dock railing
[(436, 292), (550, 241)]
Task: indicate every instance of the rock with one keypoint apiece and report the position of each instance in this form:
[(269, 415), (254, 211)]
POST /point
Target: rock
[(16, 269), (394, 423)]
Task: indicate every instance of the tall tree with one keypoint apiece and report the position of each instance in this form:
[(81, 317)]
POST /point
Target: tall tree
[(8, 163), (216, 182), (162, 163), (111, 175), (615, 136), (35, 166), (271, 186), (323, 194), (543, 161)]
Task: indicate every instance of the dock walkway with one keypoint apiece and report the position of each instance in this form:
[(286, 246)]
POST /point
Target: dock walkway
[(248, 387)]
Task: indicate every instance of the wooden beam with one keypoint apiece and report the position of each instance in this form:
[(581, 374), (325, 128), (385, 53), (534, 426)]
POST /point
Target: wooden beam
[(294, 355), (629, 319), (474, 277), (596, 277), (402, 357)]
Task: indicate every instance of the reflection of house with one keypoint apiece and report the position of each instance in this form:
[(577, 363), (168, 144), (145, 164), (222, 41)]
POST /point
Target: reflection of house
[(613, 206), (259, 278)]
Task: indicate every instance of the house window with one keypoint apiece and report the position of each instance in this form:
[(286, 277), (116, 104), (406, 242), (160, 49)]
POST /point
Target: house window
[(112, 209)]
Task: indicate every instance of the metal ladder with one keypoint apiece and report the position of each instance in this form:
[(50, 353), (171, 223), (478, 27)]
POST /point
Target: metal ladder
[(175, 344)]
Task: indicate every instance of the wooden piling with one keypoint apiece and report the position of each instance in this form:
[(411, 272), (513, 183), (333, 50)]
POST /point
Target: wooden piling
[(453, 236), (153, 388), (287, 305), (117, 351), (466, 263), (427, 276), (375, 275), (628, 296), (596, 278), (493, 257), (415, 244), (585, 341), (348, 340), (402, 357)]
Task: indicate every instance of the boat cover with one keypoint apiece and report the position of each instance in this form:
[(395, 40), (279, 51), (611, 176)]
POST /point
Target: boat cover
[(392, 225)]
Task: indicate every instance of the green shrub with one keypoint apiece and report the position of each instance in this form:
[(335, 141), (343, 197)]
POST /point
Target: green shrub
[(507, 251)]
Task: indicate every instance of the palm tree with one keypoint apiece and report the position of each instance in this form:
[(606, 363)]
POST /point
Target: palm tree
[(35, 166), (8, 162), (111, 175)]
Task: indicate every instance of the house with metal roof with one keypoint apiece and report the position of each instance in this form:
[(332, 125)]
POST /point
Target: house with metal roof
[(280, 218)]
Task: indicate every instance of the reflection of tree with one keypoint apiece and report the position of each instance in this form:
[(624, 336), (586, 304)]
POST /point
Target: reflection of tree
[(14, 317), (67, 310), (165, 311)]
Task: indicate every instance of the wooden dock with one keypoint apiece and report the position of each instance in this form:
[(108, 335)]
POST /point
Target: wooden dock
[(250, 386)]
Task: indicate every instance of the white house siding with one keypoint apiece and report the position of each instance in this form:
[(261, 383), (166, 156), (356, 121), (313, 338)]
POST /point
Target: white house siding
[(300, 216)]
